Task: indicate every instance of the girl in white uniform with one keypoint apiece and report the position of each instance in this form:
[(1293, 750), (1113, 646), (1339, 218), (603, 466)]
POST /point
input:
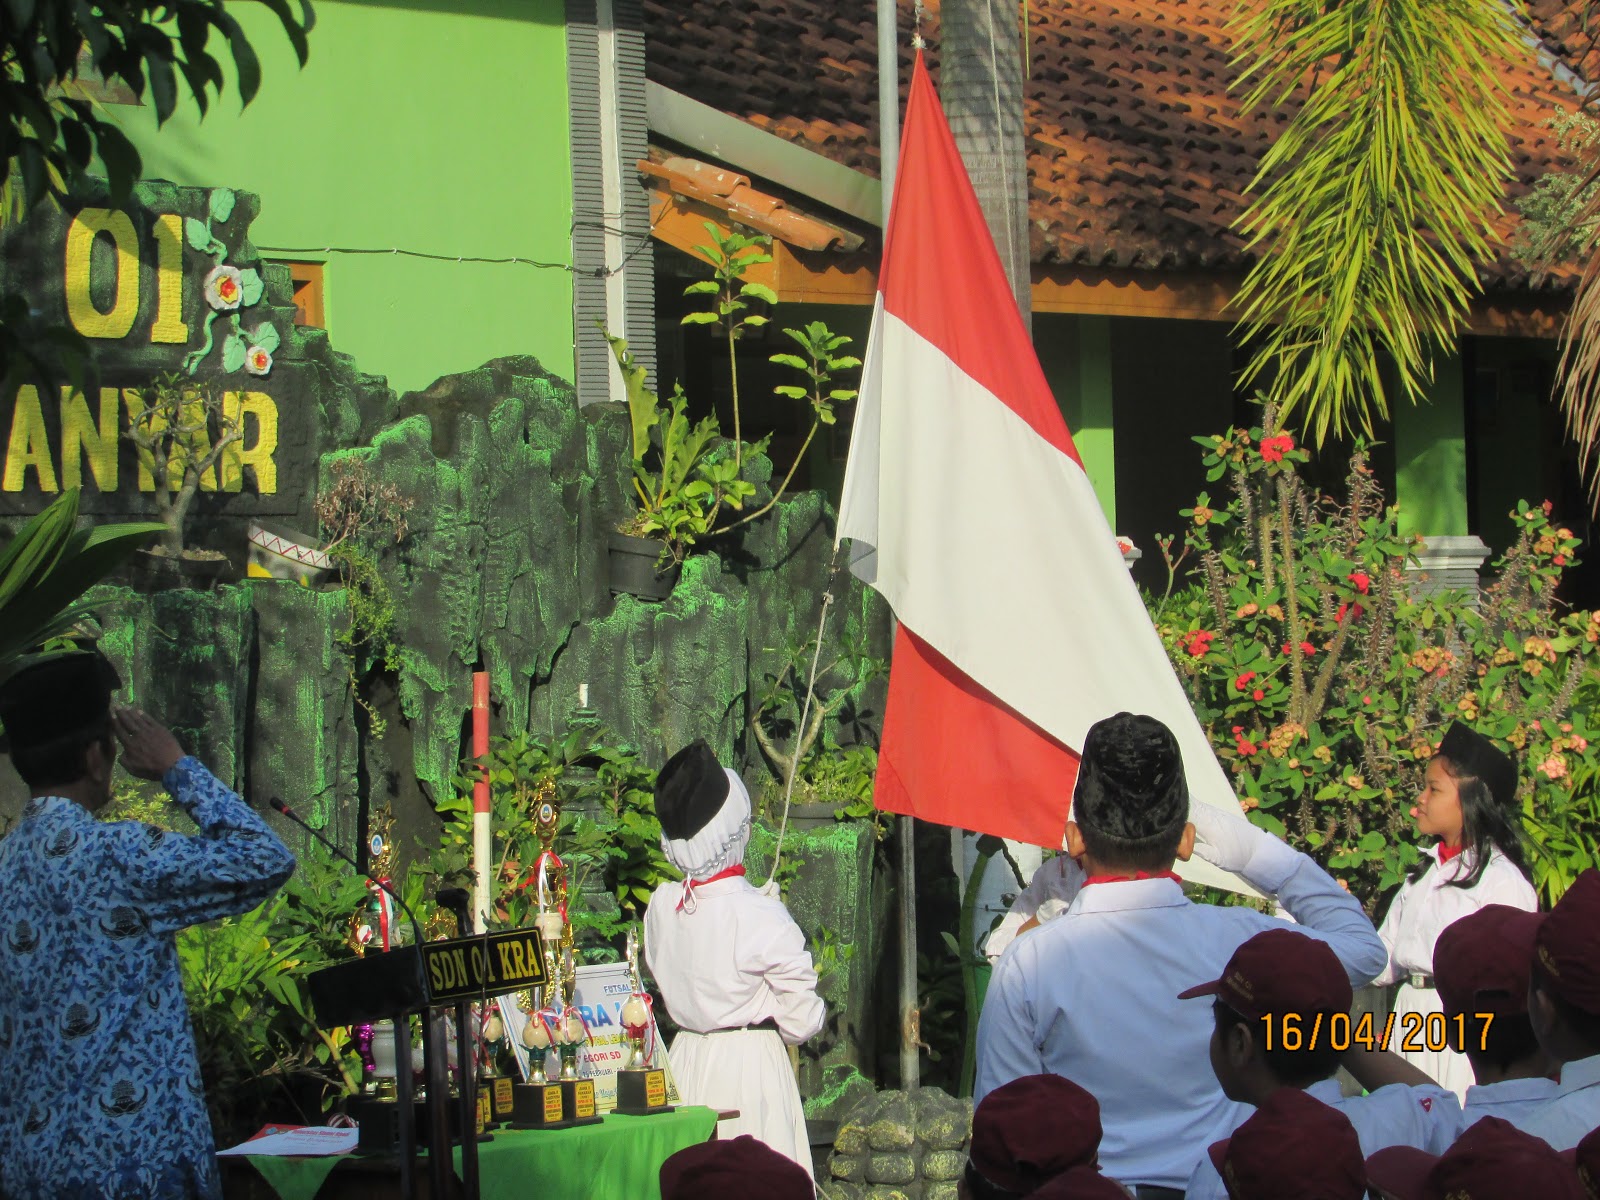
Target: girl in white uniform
[(731, 964), (1468, 802)]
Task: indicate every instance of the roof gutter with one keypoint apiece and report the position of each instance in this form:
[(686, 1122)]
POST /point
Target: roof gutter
[(740, 144)]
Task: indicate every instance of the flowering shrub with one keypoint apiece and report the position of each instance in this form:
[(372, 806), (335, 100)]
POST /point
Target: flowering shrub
[(1325, 676)]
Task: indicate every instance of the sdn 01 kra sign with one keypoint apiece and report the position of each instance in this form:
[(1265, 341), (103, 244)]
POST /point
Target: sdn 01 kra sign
[(168, 285)]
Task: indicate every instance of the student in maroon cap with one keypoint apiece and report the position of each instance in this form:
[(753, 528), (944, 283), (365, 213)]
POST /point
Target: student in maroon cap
[(1280, 1013), (1493, 1160), (1564, 1006), (1028, 1131), (1585, 1157), (1483, 965), (1294, 1147), (741, 1166), (1082, 1183)]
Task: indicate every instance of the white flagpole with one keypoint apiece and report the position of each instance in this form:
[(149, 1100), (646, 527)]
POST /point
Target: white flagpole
[(889, 157)]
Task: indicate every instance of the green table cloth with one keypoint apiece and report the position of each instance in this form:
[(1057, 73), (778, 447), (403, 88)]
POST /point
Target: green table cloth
[(620, 1157)]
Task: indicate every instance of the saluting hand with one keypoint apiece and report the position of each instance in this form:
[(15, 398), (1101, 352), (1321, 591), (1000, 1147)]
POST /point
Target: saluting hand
[(149, 750)]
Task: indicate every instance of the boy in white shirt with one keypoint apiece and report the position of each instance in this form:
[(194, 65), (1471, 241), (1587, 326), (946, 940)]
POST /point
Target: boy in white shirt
[(1280, 1010), (1564, 1006)]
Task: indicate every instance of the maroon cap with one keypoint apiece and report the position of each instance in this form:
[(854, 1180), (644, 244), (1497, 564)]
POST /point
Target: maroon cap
[(1481, 963), (1081, 1183), (1585, 1156), (1294, 1147), (1280, 971), (1568, 944), (1032, 1129), (1492, 1160), (742, 1166)]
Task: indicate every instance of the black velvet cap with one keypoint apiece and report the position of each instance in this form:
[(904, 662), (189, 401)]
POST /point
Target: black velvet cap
[(57, 696), (690, 790), (1130, 779), (1473, 754)]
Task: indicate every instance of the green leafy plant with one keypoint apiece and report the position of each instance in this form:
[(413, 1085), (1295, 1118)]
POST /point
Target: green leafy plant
[(47, 567), (1558, 215), (732, 254), (1325, 675), (683, 472)]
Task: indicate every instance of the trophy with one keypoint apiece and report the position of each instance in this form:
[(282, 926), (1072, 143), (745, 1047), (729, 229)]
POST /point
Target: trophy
[(641, 1089), (492, 1032)]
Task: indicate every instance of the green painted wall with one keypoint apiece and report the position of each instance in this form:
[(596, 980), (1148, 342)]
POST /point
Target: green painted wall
[(1430, 456), (423, 125), (1075, 352)]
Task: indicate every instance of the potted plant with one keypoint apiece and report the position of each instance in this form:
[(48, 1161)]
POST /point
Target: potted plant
[(171, 426), (684, 475)]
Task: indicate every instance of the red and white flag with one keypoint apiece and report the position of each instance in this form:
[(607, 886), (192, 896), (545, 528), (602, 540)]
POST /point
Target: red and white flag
[(970, 511)]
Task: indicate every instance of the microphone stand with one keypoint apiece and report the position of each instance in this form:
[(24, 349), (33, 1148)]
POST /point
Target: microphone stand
[(405, 1094)]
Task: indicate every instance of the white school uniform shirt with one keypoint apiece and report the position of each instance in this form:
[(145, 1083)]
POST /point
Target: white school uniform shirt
[(1053, 887), (1422, 909), (1512, 1100), (736, 960), (1574, 1110), (1427, 1117), (1093, 996)]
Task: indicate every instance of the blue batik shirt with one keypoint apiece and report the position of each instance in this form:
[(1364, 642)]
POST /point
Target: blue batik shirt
[(101, 1092)]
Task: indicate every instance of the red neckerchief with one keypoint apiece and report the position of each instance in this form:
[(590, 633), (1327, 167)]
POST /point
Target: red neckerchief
[(689, 885), (1093, 879), (1446, 853)]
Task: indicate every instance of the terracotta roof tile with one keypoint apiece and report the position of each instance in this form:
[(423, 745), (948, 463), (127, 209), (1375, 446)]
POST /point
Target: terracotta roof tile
[(1138, 153)]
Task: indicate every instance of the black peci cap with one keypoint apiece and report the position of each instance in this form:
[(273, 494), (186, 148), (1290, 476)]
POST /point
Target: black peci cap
[(690, 790), (1130, 779), (1473, 754), (57, 695)]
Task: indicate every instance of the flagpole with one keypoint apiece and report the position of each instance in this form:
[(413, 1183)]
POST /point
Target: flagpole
[(888, 158)]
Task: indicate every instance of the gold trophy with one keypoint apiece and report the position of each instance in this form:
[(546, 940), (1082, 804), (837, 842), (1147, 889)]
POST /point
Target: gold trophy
[(641, 1089)]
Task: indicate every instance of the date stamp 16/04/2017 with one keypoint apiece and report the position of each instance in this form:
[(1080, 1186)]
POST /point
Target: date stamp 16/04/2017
[(1340, 1032)]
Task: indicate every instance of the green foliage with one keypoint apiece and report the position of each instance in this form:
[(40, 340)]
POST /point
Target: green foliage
[(1325, 677), (53, 131), (1558, 221), (1374, 204), (682, 473), (48, 566), (171, 427), (261, 1051), (621, 842)]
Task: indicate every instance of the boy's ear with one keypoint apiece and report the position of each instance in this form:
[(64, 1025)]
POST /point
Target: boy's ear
[(1239, 1046), (1186, 843), (1074, 840)]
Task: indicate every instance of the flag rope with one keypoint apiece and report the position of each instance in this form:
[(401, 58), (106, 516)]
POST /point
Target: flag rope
[(805, 711)]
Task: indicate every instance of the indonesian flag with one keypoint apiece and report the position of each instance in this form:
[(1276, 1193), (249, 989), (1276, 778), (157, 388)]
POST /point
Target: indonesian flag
[(969, 510)]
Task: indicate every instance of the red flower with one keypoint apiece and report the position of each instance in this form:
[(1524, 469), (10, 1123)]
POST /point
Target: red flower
[(1198, 642), (1361, 580), (1258, 694), (1238, 684), (1244, 745), (1366, 699), (1561, 560), (1306, 648), (1548, 507), (1274, 448), (1355, 611)]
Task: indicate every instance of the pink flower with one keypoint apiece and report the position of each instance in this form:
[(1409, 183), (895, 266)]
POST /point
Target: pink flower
[(1554, 767)]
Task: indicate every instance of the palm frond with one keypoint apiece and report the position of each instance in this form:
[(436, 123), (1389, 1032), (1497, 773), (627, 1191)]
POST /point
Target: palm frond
[(1373, 206), (1580, 358)]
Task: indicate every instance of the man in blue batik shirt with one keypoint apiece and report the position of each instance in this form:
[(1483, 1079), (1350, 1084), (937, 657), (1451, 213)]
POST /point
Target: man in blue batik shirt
[(102, 1094)]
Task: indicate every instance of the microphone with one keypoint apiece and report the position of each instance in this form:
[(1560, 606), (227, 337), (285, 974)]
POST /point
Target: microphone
[(416, 926)]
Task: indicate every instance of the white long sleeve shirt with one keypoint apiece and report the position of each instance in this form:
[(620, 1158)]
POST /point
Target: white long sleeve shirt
[(1428, 1118), (1093, 996), (1052, 888), (1573, 1111), (737, 959), (1422, 909)]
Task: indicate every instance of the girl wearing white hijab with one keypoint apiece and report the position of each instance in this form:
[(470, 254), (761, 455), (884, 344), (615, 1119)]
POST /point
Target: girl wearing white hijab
[(731, 964)]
